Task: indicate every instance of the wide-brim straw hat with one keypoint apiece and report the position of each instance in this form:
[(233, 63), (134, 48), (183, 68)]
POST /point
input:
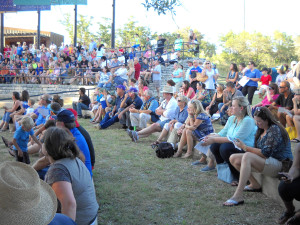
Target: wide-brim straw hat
[(24, 198), (168, 89)]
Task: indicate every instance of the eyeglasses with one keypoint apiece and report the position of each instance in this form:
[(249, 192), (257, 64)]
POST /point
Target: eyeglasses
[(179, 100), (281, 87)]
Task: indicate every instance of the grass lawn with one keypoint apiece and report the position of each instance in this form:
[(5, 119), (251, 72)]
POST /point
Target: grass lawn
[(133, 186)]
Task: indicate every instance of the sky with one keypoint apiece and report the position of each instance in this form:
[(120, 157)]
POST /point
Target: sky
[(212, 18)]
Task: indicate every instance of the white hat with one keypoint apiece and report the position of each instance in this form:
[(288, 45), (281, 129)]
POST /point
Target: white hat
[(24, 198), (168, 89)]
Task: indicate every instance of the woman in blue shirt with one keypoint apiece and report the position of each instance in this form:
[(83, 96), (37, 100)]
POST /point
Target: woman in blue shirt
[(241, 126), (253, 75), (197, 126), (272, 145)]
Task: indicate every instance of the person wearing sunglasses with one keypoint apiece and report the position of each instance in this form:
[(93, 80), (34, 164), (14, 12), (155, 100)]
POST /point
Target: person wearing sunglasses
[(284, 100), (253, 76), (271, 146), (293, 121)]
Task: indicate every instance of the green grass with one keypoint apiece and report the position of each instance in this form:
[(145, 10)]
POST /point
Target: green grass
[(133, 186)]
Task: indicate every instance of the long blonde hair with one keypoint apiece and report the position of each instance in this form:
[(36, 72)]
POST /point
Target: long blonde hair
[(243, 102), (198, 106)]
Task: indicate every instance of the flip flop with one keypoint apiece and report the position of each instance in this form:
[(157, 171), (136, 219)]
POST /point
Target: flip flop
[(295, 140), (234, 183), (5, 141), (249, 189), (231, 202)]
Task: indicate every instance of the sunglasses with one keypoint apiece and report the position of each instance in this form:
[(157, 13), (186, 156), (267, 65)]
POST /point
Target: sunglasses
[(281, 87), (207, 63), (179, 100)]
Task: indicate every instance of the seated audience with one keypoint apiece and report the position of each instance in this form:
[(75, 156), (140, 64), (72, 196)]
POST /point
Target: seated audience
[(83, 102), (202, 95), (265, 82), (120, 75), (105, 78), (271, 146), (187, 90), (140, 117), (196, 127), (240, 126), (181, 115), (212, 108), (272, 94), (293, 119), (166, 111), (69, 177), (289, 190)]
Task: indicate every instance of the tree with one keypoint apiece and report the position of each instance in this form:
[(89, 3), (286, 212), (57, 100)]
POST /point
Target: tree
[(283, 47), (297, 46), (104, 31), (162, 6)]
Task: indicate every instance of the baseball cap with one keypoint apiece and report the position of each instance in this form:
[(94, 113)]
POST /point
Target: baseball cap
[(121, 87), (66, 116), (133, 89), (75, 115)]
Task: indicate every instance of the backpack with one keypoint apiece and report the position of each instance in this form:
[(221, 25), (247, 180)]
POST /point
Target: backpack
[(164, 150)]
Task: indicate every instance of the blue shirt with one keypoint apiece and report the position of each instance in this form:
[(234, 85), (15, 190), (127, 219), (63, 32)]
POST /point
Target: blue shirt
[(176, 73), (22, 138), (19, 50), (244, 130), (194, 71), (152, 104), (137, 102), (253, 74), (274, 74), (181, 116), (205, 128), (84, 148), (273, 145), (118, 102), (40, 119)]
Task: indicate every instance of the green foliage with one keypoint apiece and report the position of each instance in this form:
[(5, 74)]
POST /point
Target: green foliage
[(104, 31), (297, 46), (162, 6), (284, 47)]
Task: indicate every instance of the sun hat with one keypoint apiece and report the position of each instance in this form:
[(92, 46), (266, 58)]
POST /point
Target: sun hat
[(66, 116), (168, 89), (25, 199)]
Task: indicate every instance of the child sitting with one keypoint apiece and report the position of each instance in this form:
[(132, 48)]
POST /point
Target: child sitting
[(265, 81), (21, 138), (132, 83)]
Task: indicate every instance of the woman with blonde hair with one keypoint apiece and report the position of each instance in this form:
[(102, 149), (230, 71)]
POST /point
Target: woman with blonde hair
[(240, 126), (131, 70), (197, 126)]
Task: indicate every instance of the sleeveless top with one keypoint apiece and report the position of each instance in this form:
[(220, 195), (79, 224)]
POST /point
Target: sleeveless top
[(219, 100)]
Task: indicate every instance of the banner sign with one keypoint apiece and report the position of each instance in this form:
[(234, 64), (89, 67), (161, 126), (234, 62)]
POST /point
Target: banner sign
[(8, 5), (50, 2)]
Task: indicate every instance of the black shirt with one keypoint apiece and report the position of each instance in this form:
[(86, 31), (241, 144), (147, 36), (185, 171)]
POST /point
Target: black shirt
[(285, 102), (84, 63), (85, 100), (161, 43)]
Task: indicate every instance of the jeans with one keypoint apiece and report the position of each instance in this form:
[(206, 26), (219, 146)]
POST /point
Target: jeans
[(289, 192), (103, 85), (6, 117), (222, 113), (250, 91), (222, 152), (119, 80), (78, 106), (107, 121)]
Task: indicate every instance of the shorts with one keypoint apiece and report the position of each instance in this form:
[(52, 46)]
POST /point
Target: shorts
[(157, 83), (272, 167), (162, 123)]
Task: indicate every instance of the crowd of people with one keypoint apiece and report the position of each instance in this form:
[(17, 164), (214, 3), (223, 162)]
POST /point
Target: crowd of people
[(254, 138)]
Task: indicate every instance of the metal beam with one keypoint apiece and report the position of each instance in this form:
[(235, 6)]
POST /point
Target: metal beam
[(2, 33), (113, 24), (39, 30), (75, 27)]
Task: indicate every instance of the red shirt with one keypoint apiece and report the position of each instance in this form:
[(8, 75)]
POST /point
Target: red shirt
[(265, 80), (137, 68)]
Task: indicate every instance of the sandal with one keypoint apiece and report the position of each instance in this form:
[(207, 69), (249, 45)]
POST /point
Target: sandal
[(295, 220), (6, 142), (187, 155), (231, 202), (234, 183), (295, 140)]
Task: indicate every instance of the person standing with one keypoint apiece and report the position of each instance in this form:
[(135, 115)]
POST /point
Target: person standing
[(160, 45), (83, 102), (193, 74), (253, 75), (156, 76)]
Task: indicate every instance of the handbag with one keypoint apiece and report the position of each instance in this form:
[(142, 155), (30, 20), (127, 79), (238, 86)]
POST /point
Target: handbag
[(224, 173), (200, 77), (292, 132)]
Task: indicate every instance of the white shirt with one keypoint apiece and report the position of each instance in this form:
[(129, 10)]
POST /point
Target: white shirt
[(122, 72), (157, 76), (210, 84), (170, 108), (187, 73)]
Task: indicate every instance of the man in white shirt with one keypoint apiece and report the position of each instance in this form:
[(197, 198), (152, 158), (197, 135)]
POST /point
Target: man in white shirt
[(166, 111), (120, 75), (92, 45)]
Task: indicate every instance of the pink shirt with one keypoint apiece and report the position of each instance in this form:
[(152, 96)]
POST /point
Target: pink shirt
[(193, 92), (265, 101)]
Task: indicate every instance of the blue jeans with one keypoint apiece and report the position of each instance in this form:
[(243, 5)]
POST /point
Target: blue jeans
[(223, 111), (6, 117), (103, 85), (119, 80), (107, 121), (78, 106)]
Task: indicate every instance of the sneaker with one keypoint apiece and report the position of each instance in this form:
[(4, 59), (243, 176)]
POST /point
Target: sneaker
[(135, 136), (198, 163), (129, 132), (207, 169)]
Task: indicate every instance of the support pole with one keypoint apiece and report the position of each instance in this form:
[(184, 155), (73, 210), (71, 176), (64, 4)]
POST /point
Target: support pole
[(113, 25), (244, 15), (75, 26), (2, 33), (39, 29)]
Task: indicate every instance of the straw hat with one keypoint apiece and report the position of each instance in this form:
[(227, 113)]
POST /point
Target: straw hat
[(24, 198), (168, 89)]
